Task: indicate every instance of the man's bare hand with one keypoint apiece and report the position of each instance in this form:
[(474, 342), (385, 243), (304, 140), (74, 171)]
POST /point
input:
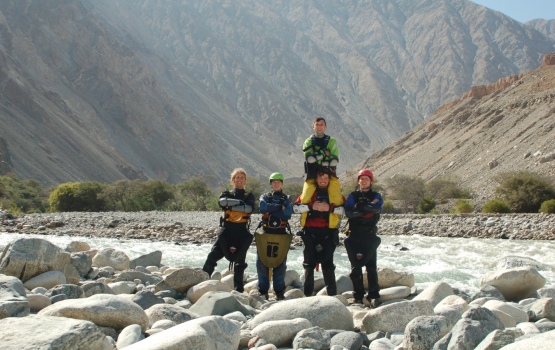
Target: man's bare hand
[(321, 206)]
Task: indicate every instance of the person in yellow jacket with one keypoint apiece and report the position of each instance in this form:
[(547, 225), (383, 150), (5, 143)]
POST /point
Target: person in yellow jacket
[(321, 153)]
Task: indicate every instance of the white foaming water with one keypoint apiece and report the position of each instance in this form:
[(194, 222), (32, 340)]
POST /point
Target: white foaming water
[(460, 262)]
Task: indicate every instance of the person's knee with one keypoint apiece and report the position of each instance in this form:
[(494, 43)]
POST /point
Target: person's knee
[(356, 272)]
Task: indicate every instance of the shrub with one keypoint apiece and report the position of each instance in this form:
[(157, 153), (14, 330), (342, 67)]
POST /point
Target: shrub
[(462, 206), (445, 187), (524, 191), (548, 207), (77, 196), (388, 207), (408, 189), (495, 206), (426, 205), (22, 196)]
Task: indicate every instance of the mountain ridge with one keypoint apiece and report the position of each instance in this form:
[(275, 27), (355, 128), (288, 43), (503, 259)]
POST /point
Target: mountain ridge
[(104, 90)]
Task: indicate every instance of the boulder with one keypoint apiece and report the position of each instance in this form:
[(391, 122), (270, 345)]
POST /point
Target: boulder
[(150, 259), (312, 338), (475, 325), (76, 246), (348, 340), (104, 310), (28, 257), (517, 314), (13, 298), (47, 332), (123, 287), (210, 332), (111, 257), (38, 302), (316, 309), (72, 276), (92, 288), (70, 290), (219, 303), (395, 317), (129, 336), (544, 308), (46, 280), (195, 292), (146, 279), (539, 341), (173, 313), (182, 279), (515, 284), (146, 299), (435, 293), (281, 332), (424, 331), (496, 340), (82, 263), (399, 292), (389, 278)]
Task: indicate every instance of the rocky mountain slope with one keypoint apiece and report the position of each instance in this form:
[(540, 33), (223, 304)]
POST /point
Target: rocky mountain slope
[(110, 89), (506, 126)]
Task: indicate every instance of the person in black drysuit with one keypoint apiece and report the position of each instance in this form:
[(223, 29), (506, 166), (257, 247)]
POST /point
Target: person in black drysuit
[(234, 238), (363, 209)]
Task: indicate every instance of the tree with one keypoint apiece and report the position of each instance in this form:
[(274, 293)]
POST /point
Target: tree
[(195, 194), (407, 189), (425, 205), (445, 187), (77, 196), (524, 191)]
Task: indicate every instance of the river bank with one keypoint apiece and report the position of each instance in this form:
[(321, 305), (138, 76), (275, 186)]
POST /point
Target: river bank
[(201, 227)]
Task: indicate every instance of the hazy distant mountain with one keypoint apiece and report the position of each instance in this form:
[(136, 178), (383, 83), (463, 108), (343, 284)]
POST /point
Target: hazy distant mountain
[(506, 126), (546, 27), (110, 89)]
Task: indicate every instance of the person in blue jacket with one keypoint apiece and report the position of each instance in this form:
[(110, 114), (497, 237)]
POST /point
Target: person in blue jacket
[(276, 210), (363, 209)]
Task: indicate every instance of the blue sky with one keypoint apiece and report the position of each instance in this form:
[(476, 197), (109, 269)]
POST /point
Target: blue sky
[(522, 10)]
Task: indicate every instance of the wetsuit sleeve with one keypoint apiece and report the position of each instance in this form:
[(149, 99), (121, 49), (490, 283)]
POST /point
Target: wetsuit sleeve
[(350, 211), (264, 204), (288, 211)]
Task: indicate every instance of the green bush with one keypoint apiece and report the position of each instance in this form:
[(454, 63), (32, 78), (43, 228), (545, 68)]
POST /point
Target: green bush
[(410, 190), (462, 206), (22, 196), (388, 207), (548, 207), (136, 195), (426, 205), (77, 196), (446, 187), (524, 191), (495, 206)]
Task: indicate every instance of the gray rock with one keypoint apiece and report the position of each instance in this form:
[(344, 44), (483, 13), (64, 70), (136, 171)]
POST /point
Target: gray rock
[(163, 324), (395, 317), (169, 312), (57, 298), (496, 340), (82, 263), (46, 280), (72, 276), (539, 341), (545, 326), (92, 288), (38, 302), (546, 293), (487, 291), (315, 309), (46, 332), (13, 298), (390, 278), (280, 332), (150, 259), (382, 344), (348, 340), (475, 325), (70, 290), (129, 335), (76, 246), (435, 293), (423, 332), (515, 284), (544, 308), (146, 279), (312, 338), (146, 299), (210, 332), (28, 257), (219, 303), (102, 309), (111, 257), (123, 287), (181, 280)]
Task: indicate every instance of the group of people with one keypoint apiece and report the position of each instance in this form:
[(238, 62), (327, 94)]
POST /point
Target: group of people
[(321, 206)]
